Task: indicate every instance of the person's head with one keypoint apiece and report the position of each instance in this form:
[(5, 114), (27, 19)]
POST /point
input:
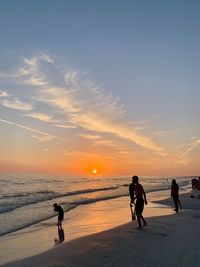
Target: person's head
[(55, 205), (135, 179), (173, 181)]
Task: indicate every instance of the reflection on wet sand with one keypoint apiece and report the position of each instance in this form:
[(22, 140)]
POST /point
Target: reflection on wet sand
[(61, 236)]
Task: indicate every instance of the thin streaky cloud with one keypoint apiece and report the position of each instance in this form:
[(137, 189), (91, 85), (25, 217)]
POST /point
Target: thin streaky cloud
[(12, 102), (36, 81), (42, 117), (16, 104), (119, 129), (59, 98), (65, 126), (30, 129)]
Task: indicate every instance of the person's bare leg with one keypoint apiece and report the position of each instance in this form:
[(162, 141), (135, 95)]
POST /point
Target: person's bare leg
[(144, 222), (176, 206), (180, 206), (139, 221)]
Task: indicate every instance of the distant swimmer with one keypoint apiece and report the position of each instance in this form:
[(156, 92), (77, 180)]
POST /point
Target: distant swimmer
[(140, 197), (60, 211), (175, 196)]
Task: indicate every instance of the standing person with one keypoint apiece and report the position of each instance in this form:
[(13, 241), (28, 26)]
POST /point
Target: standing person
[(132, 198), (140, 197), (175, 195), (60, 211)]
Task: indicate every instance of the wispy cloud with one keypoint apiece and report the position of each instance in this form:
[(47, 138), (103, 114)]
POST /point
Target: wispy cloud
[(41, 117), (45, 57), (59, 98), (15, 104), (83, 103), (29, 72), (3, 93), (96, 122), (66, 126)]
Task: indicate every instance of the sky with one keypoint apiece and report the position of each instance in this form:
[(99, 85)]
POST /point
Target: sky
[(103, 87)]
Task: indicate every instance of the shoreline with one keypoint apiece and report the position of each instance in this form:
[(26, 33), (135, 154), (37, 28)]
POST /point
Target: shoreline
[(18, 246), (171, 240)]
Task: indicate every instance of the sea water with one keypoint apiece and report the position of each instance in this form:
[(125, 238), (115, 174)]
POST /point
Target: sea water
[(27, 199)]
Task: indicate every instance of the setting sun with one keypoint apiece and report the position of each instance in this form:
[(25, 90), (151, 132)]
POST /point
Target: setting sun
[(94, 171)]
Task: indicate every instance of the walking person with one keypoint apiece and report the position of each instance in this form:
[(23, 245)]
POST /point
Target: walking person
[(175, 196), (140, 197)]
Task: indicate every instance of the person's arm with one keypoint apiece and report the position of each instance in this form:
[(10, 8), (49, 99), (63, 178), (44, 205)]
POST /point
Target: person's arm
[(145, 199), (144, 195), (131, 193)]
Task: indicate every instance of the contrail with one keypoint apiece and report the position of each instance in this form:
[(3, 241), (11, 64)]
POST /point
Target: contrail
[(30, 129), (189, 149)]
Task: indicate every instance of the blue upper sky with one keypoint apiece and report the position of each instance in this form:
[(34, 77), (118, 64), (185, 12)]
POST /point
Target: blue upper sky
[(135, 63)]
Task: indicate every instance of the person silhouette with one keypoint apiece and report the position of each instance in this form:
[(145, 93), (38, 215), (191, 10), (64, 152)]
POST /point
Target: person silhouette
[(140, 197), (60, 211), (175, 196), (132, 198)]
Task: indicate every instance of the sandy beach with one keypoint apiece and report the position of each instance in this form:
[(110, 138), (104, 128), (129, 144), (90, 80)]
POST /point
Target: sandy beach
[(99, 116), (168, 240)]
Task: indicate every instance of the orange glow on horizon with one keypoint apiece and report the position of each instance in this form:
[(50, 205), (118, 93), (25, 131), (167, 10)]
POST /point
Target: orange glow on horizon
[(95, 168)]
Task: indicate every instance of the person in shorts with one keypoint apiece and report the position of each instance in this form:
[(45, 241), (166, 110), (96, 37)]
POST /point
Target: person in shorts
[(140, 197)]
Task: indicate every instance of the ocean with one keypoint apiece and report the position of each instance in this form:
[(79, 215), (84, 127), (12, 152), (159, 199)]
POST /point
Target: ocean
[(27, 199)]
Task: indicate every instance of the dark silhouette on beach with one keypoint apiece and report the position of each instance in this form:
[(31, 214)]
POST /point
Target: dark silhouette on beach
[(60, 211), (137, 193), (196, 183), (175, 196), (132, 199)]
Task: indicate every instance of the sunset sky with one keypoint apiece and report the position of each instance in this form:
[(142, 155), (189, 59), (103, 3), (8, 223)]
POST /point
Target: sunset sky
[(102, 87)]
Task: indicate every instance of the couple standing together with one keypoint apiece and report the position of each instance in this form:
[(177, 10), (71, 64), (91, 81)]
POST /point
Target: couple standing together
[(137, 193)]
